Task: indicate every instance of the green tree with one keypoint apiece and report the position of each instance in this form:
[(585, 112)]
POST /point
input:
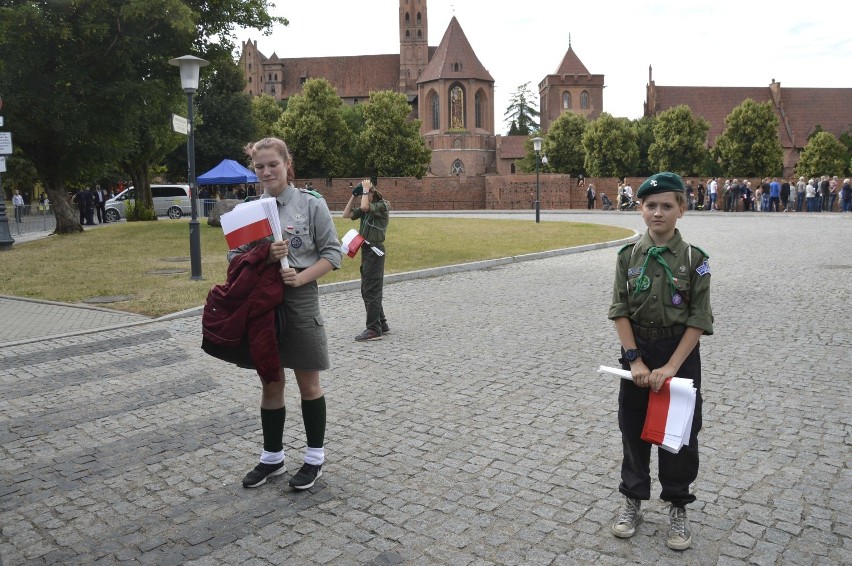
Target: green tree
[(391, 142), (355, 161), (522, 112), (265, 112), (824, 155), (563, 144), (749, 146), (679, 139), (70, 73), (644, 127), (611, 146), (315, 131)]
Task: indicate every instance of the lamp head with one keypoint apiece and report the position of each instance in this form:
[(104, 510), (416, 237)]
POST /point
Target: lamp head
[(190, 69), (537, 144)]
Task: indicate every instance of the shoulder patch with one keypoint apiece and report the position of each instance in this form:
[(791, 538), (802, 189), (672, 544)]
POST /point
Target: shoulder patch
[(625, 246), (310, 192)]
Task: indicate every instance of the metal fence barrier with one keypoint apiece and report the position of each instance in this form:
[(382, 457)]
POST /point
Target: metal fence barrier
[(33, 218)]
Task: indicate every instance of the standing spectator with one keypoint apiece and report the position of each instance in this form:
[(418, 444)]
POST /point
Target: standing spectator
[(373, 211), (79, 198), (745, 189), (700, 203), (690, 196), (765, 189), (90, 206), (18, 204), (310, 243), (100, 203), (800, 194), (590, 197), (824, 193), (846, 196), (736, 195), (785, 195), (832, 193), (774, 195), (659, 326), (713, 192), (810, 196)]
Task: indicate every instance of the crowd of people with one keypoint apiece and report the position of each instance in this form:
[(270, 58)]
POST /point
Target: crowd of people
[(816, 194)]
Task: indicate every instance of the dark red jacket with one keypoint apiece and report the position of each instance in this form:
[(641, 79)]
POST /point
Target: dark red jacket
[(243, 311)]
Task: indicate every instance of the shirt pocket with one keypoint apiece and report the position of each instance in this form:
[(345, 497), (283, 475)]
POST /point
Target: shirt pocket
[(299, 236), (682, 286)]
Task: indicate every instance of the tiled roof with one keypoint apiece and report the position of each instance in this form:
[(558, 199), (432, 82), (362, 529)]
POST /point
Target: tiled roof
[(804, 108), (571, 64), (454, 48), (352, 77), (512, 147)]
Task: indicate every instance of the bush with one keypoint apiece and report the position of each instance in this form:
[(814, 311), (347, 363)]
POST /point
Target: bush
[(140, 212)]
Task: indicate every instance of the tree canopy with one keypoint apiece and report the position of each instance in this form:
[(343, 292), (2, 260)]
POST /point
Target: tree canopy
[(390, 142), (824, 155), (563, 144), (611, 146), (749, 146), (679, 141), (522, 112)]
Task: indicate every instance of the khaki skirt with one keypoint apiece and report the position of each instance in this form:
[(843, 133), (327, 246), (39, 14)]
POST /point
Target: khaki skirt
[(304, 345)]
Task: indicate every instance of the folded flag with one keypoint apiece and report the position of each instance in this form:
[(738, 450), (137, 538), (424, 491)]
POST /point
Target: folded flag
[(668, 420), (352, 242), (252, 221)]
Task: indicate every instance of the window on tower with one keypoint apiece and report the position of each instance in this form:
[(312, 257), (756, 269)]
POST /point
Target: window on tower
[(584, 100)]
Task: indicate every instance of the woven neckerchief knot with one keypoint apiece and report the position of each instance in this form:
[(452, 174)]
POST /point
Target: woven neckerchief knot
[(655, 252)]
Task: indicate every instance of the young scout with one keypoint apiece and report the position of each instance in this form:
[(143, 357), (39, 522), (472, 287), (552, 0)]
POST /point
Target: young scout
[(661, 307)]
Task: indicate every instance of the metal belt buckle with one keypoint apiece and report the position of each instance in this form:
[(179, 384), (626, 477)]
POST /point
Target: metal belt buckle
[(653, 333)]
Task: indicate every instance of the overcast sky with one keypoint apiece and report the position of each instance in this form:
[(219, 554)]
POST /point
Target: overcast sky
[(697, 43)]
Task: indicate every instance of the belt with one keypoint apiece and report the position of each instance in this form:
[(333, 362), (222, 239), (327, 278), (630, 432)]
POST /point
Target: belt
[(657, 333)]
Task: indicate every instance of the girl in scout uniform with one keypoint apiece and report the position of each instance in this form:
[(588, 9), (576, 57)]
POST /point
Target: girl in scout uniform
[(310, 243), (661, 307)]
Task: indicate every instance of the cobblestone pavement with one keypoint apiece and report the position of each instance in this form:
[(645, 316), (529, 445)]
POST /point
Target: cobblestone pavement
[(476, 433)]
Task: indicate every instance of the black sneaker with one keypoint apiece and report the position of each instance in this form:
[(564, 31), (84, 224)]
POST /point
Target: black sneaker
[(306, 476), (385, 328), (368, 334), (262, 471)]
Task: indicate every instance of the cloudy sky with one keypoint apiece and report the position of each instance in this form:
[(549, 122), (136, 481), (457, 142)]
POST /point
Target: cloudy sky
[(698, 43)]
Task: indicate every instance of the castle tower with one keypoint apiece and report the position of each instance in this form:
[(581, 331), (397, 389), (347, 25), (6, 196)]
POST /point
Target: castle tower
[(413, 44), (572, 88)]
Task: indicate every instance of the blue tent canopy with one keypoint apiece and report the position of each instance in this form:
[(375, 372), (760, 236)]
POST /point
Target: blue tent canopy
[(228, 172)]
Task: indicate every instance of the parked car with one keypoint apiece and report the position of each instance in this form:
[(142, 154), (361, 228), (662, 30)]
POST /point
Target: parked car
[(169, 200)]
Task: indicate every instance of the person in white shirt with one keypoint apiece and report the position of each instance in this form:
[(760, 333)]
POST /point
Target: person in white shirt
[(18, 203), (713, 190)]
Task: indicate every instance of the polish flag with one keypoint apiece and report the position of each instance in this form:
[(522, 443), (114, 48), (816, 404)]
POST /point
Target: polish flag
[(352, 242), (668, 421), (246, 223)]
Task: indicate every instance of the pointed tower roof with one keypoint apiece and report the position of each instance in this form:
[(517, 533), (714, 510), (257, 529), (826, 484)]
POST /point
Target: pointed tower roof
[(571, 64), (454, 58)]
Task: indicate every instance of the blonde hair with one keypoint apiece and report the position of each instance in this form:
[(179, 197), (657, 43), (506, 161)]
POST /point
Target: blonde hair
[(278, 146)]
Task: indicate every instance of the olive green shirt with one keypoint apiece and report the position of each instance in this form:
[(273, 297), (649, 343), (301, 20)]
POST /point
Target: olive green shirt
[(656, 307), (374, 224)]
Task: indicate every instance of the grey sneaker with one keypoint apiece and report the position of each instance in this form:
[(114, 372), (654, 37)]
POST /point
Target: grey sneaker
[(680, 538), (629, 516)]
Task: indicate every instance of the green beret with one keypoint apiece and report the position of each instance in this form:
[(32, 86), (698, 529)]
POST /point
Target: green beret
[(664, 182)]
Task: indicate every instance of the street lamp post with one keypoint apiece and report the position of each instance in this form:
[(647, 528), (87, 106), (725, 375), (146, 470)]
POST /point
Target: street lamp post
[(537, 147), (190, 69)]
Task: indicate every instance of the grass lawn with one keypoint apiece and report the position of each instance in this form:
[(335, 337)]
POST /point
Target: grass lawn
[(149, 261)]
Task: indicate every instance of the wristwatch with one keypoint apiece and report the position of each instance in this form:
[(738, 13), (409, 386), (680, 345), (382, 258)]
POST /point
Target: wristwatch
[(632, 355)]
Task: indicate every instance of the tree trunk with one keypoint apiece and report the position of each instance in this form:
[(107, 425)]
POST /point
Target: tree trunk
[(139, 176), (66, 213)]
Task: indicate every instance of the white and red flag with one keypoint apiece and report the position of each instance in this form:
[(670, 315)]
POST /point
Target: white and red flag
[(668, 420), (352, 242), (252, 221)]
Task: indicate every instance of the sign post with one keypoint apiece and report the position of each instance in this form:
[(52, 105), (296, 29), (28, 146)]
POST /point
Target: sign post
[(6, 239)]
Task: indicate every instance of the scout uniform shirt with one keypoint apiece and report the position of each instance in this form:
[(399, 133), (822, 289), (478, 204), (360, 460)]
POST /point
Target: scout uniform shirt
[(374, 224), (655, 297)]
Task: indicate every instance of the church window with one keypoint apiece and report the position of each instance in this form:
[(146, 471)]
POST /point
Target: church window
[(249, 66), (407, 34), (249, 80), (458, 167), (436, 111), (566, 100), (407, 18), (478, 104), (270, 76), (419, 34), (457, 121), (584, 100), (276, 76), (418, 17)]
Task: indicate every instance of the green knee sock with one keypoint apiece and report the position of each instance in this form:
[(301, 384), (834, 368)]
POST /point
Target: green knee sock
[(272, 422), (313, 413)]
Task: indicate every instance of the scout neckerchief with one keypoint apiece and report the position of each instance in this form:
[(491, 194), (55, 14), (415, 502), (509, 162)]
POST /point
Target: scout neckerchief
[(643, 283)]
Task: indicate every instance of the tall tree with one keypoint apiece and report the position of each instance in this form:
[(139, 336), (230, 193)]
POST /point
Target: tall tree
[(315, 131), (749, 146), (563, 144), (522, 112), (265, 112), (70, 73), (391, 143), (824, 155), (679, 141), (644, 127), (611, 146)]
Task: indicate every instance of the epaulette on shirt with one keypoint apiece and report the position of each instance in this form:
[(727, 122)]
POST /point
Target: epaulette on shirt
[(625, 246), (310, 192), (705, 254)]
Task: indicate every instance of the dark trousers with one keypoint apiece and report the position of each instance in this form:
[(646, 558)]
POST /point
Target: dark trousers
[(372, 282), (82, 208), (676, 471), (100, 208)]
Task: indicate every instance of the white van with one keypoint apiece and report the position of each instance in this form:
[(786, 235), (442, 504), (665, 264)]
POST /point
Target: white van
[(169, 200)]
